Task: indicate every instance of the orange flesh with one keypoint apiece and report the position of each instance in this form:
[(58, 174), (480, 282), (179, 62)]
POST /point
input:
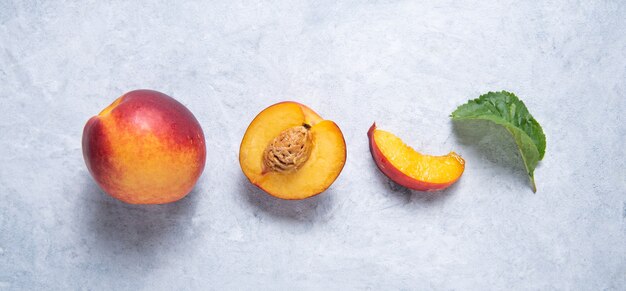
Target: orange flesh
[(328, 153), (310, 116), (432, 169)]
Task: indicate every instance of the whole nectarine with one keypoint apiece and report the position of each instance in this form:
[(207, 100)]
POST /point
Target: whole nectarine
[(145, 148)]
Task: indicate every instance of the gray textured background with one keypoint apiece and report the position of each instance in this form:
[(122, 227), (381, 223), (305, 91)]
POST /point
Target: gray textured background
[(404, 64)]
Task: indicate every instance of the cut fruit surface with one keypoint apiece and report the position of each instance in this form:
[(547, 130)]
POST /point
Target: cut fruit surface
[(291, 152), (411, 169)]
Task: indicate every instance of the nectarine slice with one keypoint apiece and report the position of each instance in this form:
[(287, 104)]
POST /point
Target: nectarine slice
[(291, 152), (411, 169)]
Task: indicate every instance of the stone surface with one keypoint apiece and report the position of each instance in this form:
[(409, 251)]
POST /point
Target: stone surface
[(404, 64)]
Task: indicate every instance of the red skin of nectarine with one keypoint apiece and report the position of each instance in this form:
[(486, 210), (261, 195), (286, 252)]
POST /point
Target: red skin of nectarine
[(396, 175), (145, 148)]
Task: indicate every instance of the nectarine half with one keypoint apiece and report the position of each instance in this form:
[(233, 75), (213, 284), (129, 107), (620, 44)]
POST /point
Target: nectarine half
[(145, 148), (291, 152), (413, 170)]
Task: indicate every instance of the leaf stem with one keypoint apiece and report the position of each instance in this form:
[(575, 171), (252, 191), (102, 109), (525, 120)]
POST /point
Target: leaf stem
[(532, 183), (531, 176)]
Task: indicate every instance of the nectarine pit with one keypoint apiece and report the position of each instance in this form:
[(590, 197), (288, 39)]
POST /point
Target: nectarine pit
[(288, 151)]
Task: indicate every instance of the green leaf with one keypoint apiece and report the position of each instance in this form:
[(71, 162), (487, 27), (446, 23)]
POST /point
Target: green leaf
[(504, 108)]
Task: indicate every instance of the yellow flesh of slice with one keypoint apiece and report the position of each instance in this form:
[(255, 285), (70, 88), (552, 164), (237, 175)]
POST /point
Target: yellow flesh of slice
[(432, 169)]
